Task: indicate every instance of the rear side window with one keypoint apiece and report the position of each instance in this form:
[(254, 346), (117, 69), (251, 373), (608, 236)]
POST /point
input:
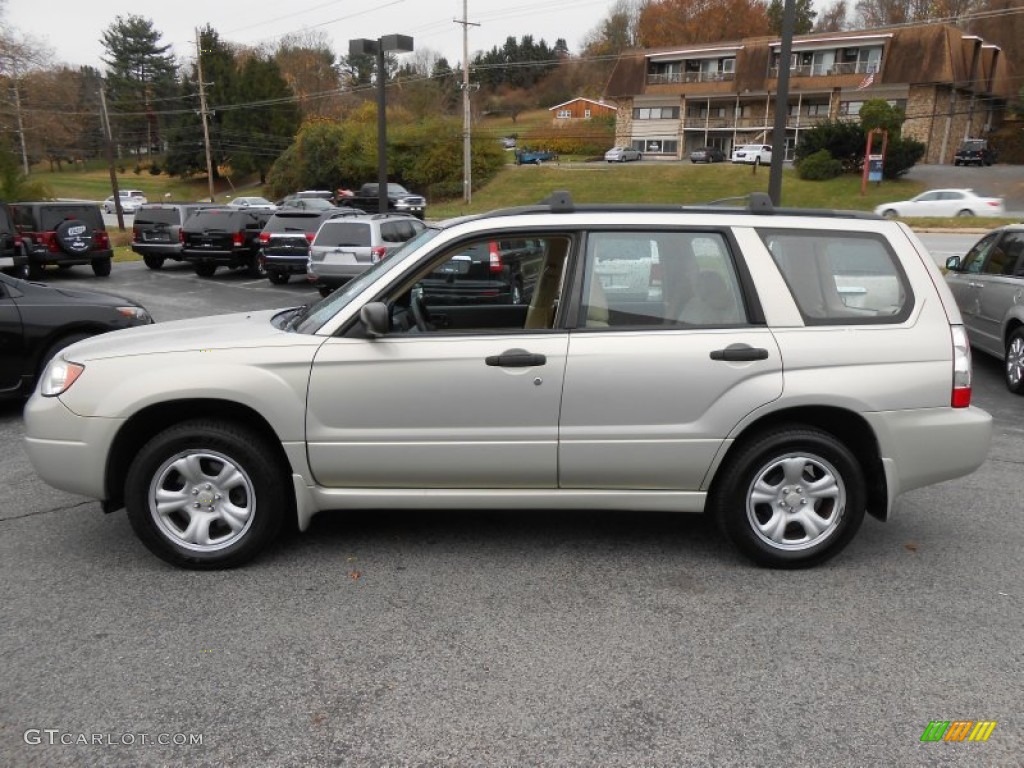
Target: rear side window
[(399, 231), (841, 279), (337, 234), (671, 279)]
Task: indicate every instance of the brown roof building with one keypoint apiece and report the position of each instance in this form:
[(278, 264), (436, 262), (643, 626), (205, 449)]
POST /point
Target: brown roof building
[(951, 85)]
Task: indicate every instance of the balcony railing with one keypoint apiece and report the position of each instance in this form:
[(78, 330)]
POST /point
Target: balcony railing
[(822, 70), (675, 78)]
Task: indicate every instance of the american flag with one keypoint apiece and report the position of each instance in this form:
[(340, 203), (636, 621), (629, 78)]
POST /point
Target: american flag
[(866, 81)]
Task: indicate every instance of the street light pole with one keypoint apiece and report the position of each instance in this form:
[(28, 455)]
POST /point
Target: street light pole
[(364, 47)]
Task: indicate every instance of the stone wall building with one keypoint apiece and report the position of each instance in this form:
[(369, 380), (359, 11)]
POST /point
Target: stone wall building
[(951, 85)]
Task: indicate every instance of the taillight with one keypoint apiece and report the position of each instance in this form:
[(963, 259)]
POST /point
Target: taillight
[(238, 240), (961, 396), (310, 236), (495, 259), (264, 238), (377, 253), (50, 241), (136, 235), (181, 236), (18, 242), (102, 239)]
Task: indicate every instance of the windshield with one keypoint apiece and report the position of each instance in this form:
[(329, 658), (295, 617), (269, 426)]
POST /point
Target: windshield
[(316, 315), (157, 216)]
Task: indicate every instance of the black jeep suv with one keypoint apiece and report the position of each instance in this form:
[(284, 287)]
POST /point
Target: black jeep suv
[(11, 259), (62, 234), (224, 237), (974, 152), (156, 231)]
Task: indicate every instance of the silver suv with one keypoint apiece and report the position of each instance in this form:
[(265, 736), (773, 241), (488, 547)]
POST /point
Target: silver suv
[(785, 372), (344, 248), (988, 284)]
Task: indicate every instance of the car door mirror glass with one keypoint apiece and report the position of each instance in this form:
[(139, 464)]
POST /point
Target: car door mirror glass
[(953, 263)]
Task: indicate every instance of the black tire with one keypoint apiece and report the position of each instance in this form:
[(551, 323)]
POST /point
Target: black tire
[(35, 271), (57, 346), (811, 457), (74, 237), (205, 268), (255, 499), (278, 278), (964, 213), (890, 214), (153, 262), (324, 291), (101, 267), (1013, 368), (256, 267), (23, 271)]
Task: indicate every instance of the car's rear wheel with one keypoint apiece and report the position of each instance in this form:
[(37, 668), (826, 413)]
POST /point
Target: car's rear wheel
[(101, 267), (256, 267), (890, 213), (278, 278), (791, 498), (154, 262), (35, 271), (964, 213), (205, 268), (206, 494), (1014, 368)]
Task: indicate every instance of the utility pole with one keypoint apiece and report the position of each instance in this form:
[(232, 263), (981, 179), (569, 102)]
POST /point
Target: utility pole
[(17, 109), (204, 113), (781, 103), (110, 156), (467, 114)]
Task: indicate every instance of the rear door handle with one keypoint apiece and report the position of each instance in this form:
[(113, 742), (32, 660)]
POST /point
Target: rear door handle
[(739, 353), (515, 358)]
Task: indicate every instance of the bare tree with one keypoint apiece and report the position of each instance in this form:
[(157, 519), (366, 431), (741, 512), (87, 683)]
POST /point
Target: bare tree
[(833, 18)]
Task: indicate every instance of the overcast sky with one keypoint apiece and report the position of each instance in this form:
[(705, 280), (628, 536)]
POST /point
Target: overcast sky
[(72, 28)]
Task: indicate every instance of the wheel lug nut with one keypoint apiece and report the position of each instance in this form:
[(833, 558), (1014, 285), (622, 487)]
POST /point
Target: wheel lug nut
[(196, 505), (195, 491)]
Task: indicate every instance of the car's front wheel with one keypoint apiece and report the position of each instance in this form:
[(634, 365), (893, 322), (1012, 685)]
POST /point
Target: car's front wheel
[(153, 262), (206, 494), (790, 498), (1014, 369)]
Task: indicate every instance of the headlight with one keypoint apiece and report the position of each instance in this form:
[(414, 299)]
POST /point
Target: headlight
[(59, 376), (135, 313)]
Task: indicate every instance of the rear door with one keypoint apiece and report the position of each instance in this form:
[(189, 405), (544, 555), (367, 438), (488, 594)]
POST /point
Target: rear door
[(655, 381), (1000, 289), (12, 341), (964, 285)]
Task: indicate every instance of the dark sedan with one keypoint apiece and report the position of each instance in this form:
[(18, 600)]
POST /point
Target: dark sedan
[(707, 155), (38, 320)]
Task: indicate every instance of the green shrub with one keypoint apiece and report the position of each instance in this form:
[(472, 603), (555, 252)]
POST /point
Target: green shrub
[(900, 157), (154, 169), (819, 166)]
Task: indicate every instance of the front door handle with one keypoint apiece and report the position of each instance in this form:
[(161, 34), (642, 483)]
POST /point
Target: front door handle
[(739, 353), (515, 358)]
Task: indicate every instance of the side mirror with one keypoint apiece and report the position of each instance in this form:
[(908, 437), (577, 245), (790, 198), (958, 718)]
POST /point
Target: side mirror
[(374, 317), (953, 263)]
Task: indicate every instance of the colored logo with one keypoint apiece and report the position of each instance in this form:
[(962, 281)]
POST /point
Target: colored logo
[(958, 730)]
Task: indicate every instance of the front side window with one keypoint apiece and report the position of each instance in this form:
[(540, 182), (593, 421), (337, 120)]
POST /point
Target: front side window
[(842, 279), (674, 279), (976, 256)]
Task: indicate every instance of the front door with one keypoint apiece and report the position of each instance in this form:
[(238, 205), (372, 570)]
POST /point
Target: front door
[(12, 343)]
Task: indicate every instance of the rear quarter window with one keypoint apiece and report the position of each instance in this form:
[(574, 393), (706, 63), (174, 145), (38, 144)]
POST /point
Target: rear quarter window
[(157, 216), (843, 278)]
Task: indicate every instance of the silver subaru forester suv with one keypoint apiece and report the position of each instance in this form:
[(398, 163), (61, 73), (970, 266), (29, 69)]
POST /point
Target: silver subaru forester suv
[(783, 371)]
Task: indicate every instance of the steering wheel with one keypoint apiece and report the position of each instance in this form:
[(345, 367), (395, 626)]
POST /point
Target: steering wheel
[(420, 313)]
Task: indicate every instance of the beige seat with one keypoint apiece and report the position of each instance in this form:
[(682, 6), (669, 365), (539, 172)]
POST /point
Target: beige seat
[(713, 304), (597, 306)]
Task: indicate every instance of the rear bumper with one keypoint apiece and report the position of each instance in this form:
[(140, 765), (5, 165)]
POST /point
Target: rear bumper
[(44, 256), (164, 250)]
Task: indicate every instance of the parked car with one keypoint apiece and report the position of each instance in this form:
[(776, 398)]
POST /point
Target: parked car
[(754, 382), (156, 231), (753, 154), (37, 321), (622, 154), (294, 202), (707, 155), (500, 271), (12, 258), (944, 203), (131, 199), (988, 284), (534, 156), (63, 235), (259, 203), (287, 235), (346, 247), (974, 152), (128, 205), (508, 142), (224, 237)]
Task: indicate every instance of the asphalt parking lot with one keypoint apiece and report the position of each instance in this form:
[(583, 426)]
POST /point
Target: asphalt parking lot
[(528, 638)]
